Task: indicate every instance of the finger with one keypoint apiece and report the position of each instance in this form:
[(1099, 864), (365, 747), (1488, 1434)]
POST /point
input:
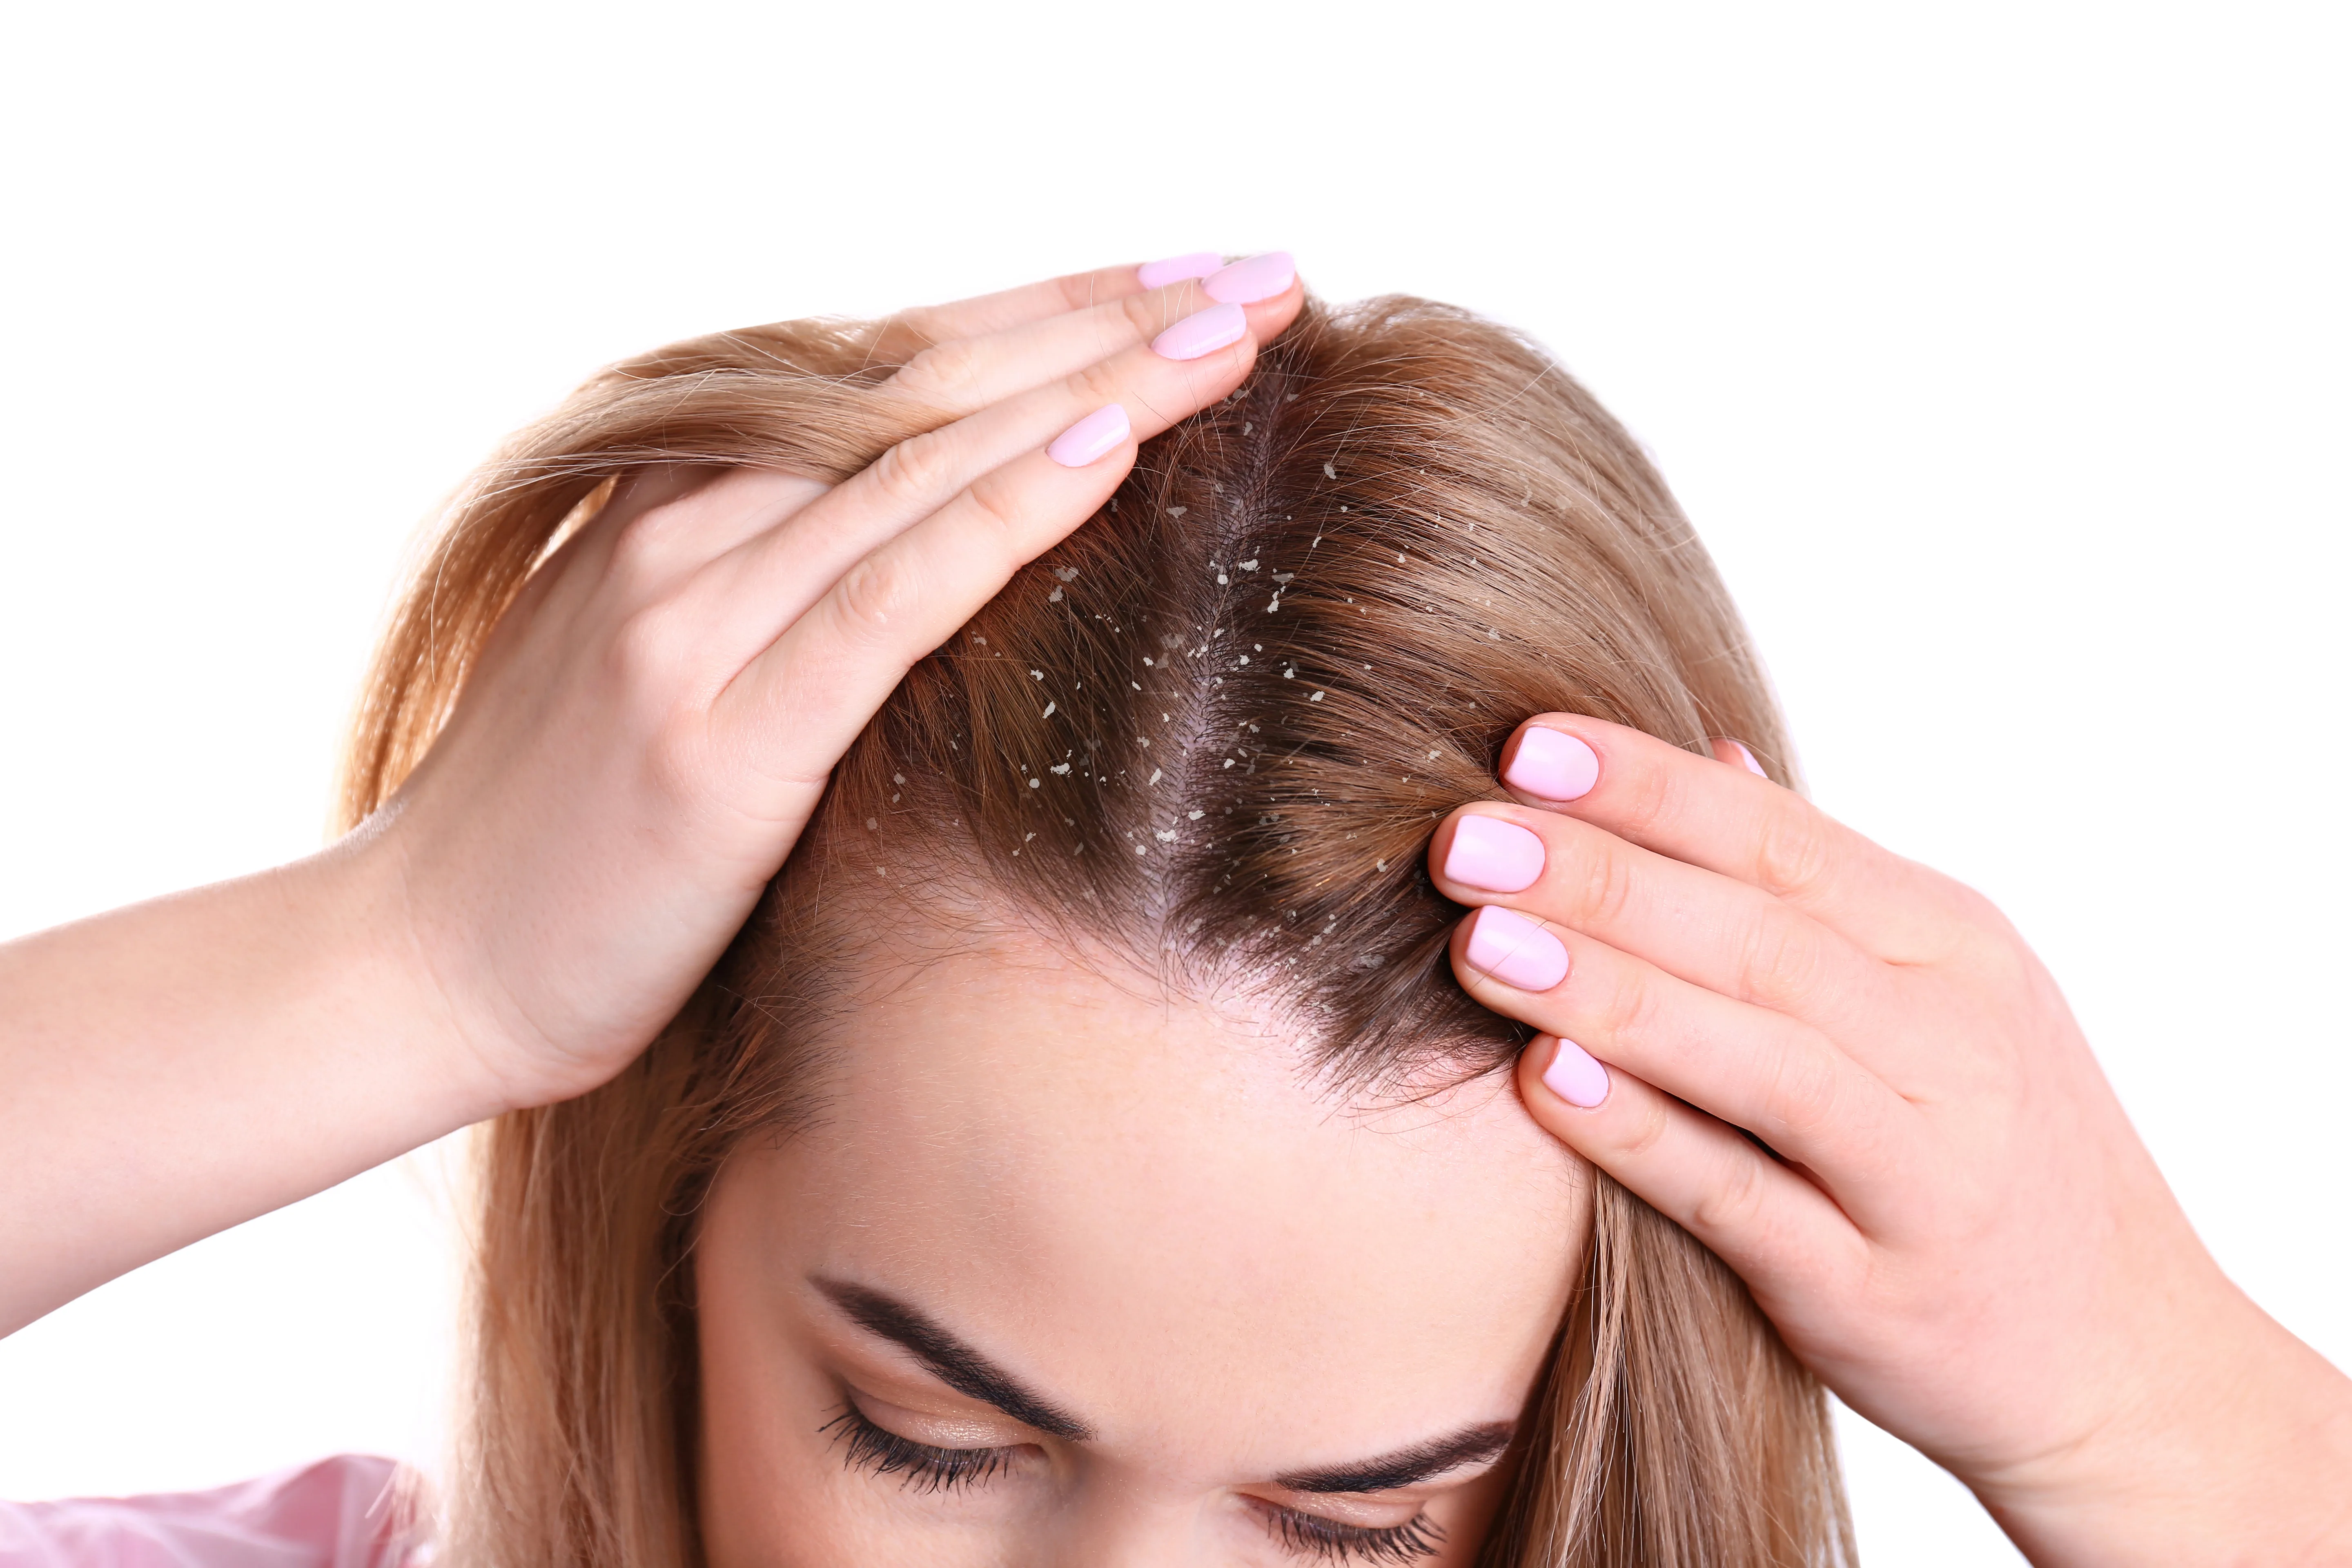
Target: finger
[(1776, 1230), (805, 698), (1781, 1079), (966, 374), (909, 332), (750, 596), (1731, 821), (1704, 928)]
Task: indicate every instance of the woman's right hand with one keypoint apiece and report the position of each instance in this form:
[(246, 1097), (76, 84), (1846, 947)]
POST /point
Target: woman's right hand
[(642, 741), (654, 720)]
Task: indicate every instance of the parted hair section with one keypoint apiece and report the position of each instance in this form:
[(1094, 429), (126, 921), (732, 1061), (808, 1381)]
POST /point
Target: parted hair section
[(1217, 727), (1223, 718)]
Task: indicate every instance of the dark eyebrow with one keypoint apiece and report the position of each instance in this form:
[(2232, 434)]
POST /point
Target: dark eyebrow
[(954, 1363), (1407, 1467)]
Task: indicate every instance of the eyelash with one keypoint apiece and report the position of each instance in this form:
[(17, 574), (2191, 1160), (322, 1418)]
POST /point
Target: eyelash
[(1332, 1541), (882, 1452)]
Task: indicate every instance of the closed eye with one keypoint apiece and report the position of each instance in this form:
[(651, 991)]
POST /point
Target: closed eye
[(924, 1467), (1321, 1539)]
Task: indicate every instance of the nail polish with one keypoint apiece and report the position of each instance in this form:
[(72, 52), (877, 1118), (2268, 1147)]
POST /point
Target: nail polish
[(1202, 332), (1102, 431), (1252, 278), (1493, 856), (1747, 758), (1507, 946), (1552, 765), (1177, 268), (1575, 1077)]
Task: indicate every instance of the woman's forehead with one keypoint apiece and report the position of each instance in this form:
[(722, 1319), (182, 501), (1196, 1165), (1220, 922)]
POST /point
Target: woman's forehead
[(1148, 1203)]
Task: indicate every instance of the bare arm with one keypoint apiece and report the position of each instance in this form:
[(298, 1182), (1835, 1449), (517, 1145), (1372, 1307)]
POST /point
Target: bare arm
[(648, 731)]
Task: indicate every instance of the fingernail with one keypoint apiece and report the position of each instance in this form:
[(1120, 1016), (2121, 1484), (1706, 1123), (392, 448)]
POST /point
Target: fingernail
[(1494, 855), (1252, 278), (1516, 950), (1575, 1077), (1202, 331), (1176, 269), (1748, 758), (1102, 431), (1553, 765)]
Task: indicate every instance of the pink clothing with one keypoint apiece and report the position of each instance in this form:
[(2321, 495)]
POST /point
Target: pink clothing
[(342, 1512)]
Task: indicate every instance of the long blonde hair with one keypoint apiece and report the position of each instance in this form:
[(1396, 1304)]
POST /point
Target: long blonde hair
[(1418, 530)]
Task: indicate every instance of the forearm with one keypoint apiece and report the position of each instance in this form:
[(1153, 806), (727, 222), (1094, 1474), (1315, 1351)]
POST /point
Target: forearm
[(2243, 1460), (171, 1069)]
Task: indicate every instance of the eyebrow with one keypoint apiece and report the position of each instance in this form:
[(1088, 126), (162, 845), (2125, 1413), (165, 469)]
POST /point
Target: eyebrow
[(951, 1359), (1408, 1466)]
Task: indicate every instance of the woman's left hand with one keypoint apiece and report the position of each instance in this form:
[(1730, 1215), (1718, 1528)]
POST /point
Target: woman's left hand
[(1961, 1233)]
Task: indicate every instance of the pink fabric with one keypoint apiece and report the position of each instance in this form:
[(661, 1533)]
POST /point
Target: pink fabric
[(338, 1513)]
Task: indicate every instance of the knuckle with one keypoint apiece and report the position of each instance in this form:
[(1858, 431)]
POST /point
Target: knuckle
[(1626, 1008), (871, 598), (1643, 1131), (1643, 798), (941, 370), (1792, 850), (1097, 384), (913, 473), (1803, 1091), (650, 645), (1599, 884), (1729, 1204), (997, 506), (1779, 959)]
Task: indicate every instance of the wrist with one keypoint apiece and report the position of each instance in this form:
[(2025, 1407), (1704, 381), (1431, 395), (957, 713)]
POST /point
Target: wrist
[(391, 964), (2232, 1448)]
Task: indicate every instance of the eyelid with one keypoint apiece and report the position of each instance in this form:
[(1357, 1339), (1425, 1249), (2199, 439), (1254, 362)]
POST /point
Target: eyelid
[(959, 1430)]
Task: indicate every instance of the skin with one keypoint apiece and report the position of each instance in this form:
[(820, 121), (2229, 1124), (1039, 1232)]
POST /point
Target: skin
[(1962, 1236), (1968, 1243), (1138, 1209)]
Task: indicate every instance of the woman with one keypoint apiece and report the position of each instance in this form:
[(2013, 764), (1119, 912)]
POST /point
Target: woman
[(1081, 1154)]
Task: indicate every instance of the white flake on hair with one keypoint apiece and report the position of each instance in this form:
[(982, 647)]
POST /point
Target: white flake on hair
[(1379, 865), (1246, 426), (1027, 837), (1250, 565), (1329, 472), (1290, 672), (871, 825), (1167, 836), (1036, 675), (1048, 714), (1036, 784), (1137, 684), (1152, 780), (1317, 698), (1193, 816), (1147, 660), (1067, 574), (1060, 768), (1139, 850), (1175, 511), (1223, 579), (1054, 597)]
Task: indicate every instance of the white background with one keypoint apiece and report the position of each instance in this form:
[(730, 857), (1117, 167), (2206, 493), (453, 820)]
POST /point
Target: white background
[(2001, 353)]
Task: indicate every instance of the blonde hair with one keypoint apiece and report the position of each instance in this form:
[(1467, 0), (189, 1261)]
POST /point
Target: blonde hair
[(1418, 530)]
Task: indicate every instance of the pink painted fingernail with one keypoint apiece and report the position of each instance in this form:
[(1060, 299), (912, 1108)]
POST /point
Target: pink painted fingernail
[(1176, 269), (1575, 1077), (1202, 331), (1748, 758), (1552, 765), (1252, 279), (1516, 950), (1494, 855), (1102, 431)]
